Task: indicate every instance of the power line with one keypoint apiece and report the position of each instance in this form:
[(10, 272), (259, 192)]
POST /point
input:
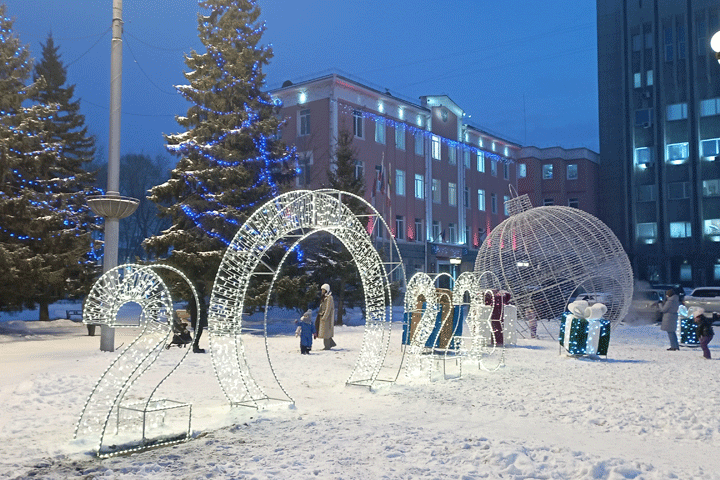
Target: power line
[(125, 32), (91, 47), (104, 107), (143, 71)]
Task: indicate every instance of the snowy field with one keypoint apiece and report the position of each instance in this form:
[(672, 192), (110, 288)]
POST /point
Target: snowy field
[(644, 413)]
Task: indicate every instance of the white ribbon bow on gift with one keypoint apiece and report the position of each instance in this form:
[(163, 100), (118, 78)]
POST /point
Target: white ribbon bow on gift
[(581, 310)]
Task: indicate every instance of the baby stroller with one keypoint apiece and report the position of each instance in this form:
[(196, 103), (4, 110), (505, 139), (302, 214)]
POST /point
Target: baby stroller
[(181, 334)]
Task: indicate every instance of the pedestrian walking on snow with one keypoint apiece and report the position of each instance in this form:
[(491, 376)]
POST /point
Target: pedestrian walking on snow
[(326, 317)]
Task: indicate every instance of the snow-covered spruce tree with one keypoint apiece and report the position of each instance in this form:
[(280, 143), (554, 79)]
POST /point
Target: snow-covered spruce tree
[(45, 224), (230, 161), (332, 263)]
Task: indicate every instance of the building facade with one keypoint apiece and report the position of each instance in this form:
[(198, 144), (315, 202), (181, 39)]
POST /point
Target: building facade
[(558, 176), (659, 113), (439, 182)]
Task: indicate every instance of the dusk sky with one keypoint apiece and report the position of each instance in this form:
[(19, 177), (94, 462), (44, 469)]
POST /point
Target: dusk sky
[(526, 71)]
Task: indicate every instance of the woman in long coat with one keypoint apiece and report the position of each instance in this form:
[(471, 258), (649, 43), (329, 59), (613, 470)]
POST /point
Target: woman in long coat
[(669, 309), (326, 317)]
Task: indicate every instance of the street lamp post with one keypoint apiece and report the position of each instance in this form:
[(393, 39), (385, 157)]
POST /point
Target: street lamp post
[(112, 206)]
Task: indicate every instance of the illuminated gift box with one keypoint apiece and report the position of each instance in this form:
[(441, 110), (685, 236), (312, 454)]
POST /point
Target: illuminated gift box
[(583, 331)]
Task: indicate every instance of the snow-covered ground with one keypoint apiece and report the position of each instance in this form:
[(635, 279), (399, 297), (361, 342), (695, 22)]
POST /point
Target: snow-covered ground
[(643, 413)]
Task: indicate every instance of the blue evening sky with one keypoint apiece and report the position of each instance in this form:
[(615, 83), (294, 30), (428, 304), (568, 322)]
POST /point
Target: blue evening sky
[(524, 70)]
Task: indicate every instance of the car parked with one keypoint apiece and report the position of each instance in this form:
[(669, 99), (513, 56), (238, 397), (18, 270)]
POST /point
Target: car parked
[(645, 306), (661, 288), (707, 298)]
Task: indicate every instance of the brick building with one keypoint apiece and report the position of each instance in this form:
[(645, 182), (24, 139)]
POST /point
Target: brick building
[(438, 181), (556, 176)]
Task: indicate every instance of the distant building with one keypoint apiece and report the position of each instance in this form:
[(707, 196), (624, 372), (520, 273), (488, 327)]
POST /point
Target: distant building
[(556, 176), (659, 112), (439, 182)]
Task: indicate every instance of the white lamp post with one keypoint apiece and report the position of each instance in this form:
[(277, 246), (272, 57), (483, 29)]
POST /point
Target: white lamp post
[(112, 206)]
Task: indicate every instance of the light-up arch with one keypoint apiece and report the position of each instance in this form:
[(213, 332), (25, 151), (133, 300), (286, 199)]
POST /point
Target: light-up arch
[(295, 214)]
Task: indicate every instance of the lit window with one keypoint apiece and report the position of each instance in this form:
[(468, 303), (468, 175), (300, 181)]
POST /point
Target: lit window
[(547, 202), (506, 199), (481, 200), (680, 230), (452, 155), (493, 168), (643, 156), (400, 182), (436, 147), (522, 170), (646, 231), (711, 188), (419, 186), (573, 202), (710, 147), (711, 226), (506, 171), (419, 230), (675, 152), (436, 193), (481, 162), (436, 230), (649, 78), (686, 272), (572, 171), (419, 149), (677, 111), (637, 80), (380, 131), (547, 171), (493, 203), (709, 107), (358, 124), (452, 194), (400, 137), (399, 227), (304, 125)]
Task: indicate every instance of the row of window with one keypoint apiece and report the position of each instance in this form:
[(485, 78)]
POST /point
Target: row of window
[(304, 129), (678, 152), (678, 190), (414, 232), (672, 41), (647, 231), (678, 111)]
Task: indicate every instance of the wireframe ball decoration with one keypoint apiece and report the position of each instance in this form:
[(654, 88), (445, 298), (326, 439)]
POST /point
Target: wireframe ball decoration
[(546, 255)]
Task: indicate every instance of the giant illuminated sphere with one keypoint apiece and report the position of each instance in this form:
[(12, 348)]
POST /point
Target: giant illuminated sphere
[(546, 255)]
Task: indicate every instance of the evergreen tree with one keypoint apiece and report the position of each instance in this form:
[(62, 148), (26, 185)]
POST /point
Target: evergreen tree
[(332, 263), (45, 224), (230, 161)]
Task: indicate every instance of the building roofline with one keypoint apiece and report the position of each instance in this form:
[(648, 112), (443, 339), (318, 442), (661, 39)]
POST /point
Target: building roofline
[(548, 153)]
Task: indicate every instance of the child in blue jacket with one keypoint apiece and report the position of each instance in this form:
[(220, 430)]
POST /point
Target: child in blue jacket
[(305, 330)]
